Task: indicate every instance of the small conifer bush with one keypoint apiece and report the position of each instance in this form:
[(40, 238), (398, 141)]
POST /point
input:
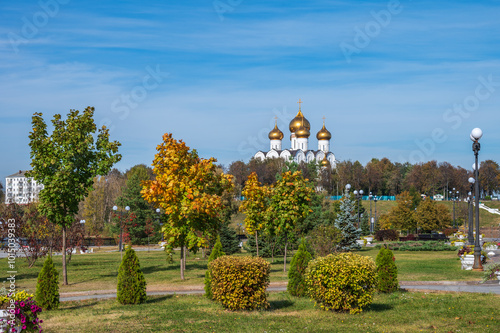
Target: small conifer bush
[(296, 274), (387, 271), (341, 282), (131, 287), (47, 286), (216, 253), (239, 283)]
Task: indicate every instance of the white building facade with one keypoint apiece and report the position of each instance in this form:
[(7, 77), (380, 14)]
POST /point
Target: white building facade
[(20, 189), (299, 152)]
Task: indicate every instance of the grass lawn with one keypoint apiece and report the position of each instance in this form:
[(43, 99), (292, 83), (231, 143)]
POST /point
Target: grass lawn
[(98, 271), (398, 312)]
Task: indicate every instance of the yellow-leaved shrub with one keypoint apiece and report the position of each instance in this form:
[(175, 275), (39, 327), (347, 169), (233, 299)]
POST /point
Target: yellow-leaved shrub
[(239, 283), (342, 282)]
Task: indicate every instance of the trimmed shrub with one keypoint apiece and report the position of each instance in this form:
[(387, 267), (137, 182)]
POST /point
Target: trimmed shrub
[(387, 235), (387, 272), (417, 246), (239, 283), (296, 274), (47, 286), (216, 253), (131, 287), (342, 282)]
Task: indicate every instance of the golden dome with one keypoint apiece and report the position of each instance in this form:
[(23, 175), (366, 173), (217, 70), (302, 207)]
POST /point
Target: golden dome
[(324, 134), (275, 133), (325, 162), (302, 132), (298, 122)]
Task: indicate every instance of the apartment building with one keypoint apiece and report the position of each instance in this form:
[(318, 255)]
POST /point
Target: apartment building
[(20, 189)]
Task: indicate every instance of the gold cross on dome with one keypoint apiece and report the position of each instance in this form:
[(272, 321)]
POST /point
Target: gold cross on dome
[(300, 102)]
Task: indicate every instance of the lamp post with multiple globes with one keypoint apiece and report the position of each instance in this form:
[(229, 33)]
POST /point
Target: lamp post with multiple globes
[(470, 235), (475, 135), (115, 208), (358, 195)]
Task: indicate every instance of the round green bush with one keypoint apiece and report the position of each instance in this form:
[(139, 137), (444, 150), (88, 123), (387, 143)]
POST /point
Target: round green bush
[(47, 286), (342, 282), (296, 274), (239, 283), (131, 287), (387, 271)]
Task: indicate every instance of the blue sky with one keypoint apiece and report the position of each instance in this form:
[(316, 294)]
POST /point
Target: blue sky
[(407, 80)]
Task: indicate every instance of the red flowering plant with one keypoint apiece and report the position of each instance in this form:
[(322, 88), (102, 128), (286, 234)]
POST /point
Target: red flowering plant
[(25, 311)]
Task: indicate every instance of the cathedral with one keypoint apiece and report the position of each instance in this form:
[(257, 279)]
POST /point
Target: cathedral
[(300, 131)]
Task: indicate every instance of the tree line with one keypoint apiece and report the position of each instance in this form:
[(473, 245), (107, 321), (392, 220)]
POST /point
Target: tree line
[(379, 176)]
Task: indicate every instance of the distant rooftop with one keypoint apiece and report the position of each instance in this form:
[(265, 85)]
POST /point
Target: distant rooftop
[(21, 173)]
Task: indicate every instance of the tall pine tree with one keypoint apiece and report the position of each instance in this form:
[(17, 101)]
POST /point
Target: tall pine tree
[(345, 222)]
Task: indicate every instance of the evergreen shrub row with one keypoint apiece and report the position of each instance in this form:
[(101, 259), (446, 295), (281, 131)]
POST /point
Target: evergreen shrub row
[(418, 246)]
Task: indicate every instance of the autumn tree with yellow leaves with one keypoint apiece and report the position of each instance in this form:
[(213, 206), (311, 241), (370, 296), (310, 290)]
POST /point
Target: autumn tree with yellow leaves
[(189, 191), (254, 205)]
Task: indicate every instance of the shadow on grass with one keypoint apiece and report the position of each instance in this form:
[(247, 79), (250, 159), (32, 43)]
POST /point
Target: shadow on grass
[(380, 307), (24, 276), (79, 305), (280, 304), (158, 299)]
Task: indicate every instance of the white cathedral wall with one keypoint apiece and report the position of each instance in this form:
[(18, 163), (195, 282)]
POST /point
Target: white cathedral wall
[(324, 145), (276, 144), (302, 144)]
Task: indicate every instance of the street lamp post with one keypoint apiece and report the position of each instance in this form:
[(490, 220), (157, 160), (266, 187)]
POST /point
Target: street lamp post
[(375, 218), (454, 199), (347, 188), (115, 208), (358, 195), (158, 220), (475, 135), (470, 235), (370, 197), (82, 223)]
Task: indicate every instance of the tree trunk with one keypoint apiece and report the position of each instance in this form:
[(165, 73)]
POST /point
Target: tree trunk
[(286, 243), (65, 274), (256, 243), (182, 260), (185, 257)]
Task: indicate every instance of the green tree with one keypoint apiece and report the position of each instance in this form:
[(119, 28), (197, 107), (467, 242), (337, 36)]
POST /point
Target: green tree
[(296, 276), (189, 190), (387, 271), (66, 163), (429, 216), (254, 205), (216, 253), (289, 205), (131, 288), (229, 240), (132, 197), (325, 240), (47, 286), (345, 222), (401, 216)]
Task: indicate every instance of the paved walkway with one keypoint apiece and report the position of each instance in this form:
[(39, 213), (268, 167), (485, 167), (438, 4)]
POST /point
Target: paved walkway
[(447, 286)]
